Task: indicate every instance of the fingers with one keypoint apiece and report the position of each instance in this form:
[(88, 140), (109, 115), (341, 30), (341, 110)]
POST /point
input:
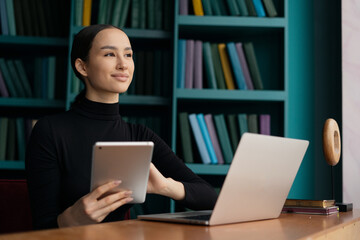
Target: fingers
[(102, 213), (110, 199), (99, 191)]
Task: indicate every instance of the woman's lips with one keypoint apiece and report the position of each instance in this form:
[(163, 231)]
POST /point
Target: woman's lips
[(121, 77)]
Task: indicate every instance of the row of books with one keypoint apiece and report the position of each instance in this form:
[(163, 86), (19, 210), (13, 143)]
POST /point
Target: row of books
[(30, 78), (308, 206), (34, 18), (217, 136), (256, 8), (14, 133), (142, 14), (231, 65)]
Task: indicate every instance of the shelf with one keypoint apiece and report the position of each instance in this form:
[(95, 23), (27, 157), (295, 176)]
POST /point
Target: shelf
[(138, 33), (230, 95), (32, 103), (203, 169), (29, 40), (228, 22), (12, 165)]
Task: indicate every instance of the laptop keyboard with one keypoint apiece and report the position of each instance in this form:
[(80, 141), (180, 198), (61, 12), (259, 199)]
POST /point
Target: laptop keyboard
[(198, 217)]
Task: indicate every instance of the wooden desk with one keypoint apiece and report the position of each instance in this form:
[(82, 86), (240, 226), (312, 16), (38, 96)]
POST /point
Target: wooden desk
[(288, 226)]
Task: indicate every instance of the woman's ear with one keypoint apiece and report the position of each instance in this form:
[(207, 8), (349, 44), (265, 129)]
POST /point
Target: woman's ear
[(81, 67)]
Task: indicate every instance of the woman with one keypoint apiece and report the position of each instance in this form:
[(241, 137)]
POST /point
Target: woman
[(58, 159)]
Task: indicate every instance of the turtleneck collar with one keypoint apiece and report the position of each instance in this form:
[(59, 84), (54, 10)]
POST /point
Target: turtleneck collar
[(97, 110)]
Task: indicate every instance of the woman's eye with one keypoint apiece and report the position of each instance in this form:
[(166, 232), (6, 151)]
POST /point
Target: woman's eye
[(129, 55), (109, 54)]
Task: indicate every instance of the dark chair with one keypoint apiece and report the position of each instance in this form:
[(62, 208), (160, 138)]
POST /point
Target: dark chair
[(15, 215)]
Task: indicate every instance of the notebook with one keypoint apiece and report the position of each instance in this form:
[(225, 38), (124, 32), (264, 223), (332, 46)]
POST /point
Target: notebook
[(256, 186)]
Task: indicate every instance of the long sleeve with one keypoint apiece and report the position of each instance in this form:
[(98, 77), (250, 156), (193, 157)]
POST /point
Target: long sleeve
[(43, 176)]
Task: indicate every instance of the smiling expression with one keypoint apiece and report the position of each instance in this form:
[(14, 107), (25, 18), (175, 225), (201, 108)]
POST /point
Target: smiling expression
[(110, 66)]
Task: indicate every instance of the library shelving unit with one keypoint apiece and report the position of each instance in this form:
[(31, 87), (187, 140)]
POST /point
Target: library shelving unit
[(269, 37), (27, 47)]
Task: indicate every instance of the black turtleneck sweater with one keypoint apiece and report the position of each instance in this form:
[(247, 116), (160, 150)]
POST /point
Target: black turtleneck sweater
[(58, 160)]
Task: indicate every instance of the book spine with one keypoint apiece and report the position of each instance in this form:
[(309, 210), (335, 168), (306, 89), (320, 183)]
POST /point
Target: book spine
[(214, 138), (118, 4), (198, 65), (253, 65), (253, 123), (219, 74), (215, 6), (124, 13), (150, 14), (3, 137), (3, 89), (189, 68), (242, 7), (87, 12), (78, 12), (11, 17), (199, 139), (4, 18), (265, 124), (233, 8), (223, 137), (233, 131), (185, 136), (207, 139), (209, 66), (225, 63), (236, 67), (15, 78), (181, 63), (23, 78), (183, 7), (259, 8), (243, 124), (251, 8), (270, 8), (198, 7), (8, 80), (51, 74), (244, 66), (207, 7)]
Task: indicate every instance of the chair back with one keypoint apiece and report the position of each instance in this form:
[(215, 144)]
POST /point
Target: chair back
[(15, 214)]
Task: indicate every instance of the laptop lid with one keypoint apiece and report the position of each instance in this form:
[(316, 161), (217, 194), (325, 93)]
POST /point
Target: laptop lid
[(257, 183)]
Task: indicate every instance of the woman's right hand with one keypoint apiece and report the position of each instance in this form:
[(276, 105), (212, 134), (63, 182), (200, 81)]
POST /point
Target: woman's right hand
[(94, 207)]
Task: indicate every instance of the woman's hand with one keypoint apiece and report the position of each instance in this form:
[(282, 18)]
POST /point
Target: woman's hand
[(158, 184), (94, 207)]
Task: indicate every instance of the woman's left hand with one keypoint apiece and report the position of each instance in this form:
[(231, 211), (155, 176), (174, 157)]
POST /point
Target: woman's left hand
[(158, 184)]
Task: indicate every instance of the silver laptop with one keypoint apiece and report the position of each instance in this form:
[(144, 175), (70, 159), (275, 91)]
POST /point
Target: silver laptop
[(256, 186)]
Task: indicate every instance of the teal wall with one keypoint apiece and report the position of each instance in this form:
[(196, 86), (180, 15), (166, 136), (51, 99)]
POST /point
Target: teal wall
[(301, 90)]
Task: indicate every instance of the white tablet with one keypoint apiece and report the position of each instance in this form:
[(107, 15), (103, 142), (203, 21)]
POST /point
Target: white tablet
[(125, 161)]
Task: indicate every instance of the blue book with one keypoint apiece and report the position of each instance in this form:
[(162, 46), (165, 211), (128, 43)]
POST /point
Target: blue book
[(4, 19), (199, 139), (206, 136), (181, 63), (236, 66), (259, 8)]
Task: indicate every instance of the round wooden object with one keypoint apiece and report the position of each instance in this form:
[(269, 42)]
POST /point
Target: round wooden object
[(331, 142)]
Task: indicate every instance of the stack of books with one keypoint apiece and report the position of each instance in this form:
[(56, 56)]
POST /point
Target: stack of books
[(322, 207)]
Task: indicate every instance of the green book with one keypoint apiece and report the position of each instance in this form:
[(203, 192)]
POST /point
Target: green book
[(233, 130), (109, 11), (168, 15), (41, 15), (142, 17), (51, 77), (219, 74), (222, 5), (118, 4), (243, 124), (124, 13), (103, 6), (135, 14), (21, 142), (79, 5), (13, 92), (253, 65), (3, 137), (209, 66), (150, 14), (215, 6), (270, 8), (158, 6), (11, 17), (15, 78), (23, 78), (224, 139), (207, 7), (11, 140), (251, 8), (38, 72), (233, 8), (242, 7), (253, 123), (185, 137)]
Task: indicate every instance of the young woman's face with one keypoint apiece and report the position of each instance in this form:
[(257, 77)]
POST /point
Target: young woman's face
[(110, 66)]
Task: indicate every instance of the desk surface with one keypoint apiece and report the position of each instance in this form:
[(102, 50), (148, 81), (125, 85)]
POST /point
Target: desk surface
[(287, 226)]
